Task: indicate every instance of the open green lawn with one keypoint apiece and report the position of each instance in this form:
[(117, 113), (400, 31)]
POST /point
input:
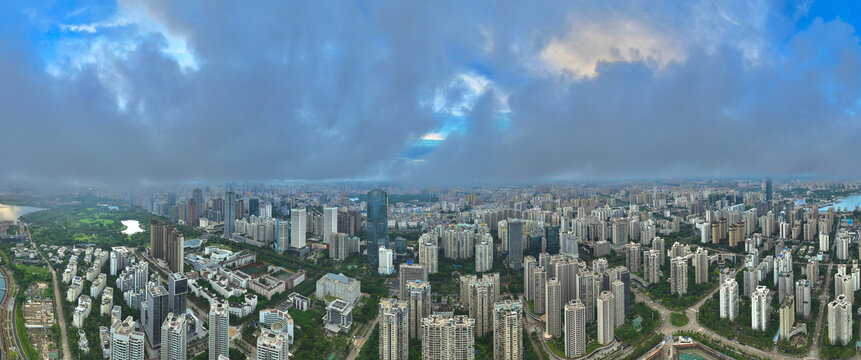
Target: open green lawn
[(679, 319), (101, 225)]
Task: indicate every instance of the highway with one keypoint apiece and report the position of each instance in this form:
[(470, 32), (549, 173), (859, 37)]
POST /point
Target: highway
[(8, 315)]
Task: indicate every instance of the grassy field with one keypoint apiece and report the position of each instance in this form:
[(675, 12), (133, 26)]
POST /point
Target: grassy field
[(92, 223)]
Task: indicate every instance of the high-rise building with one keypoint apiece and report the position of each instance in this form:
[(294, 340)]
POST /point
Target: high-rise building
[(394, 329), (553, 307), (540, 278), (632, 257), (529, 265), (126, 342), (768, 192), (484, 254), (330, 223), (617, 287), (282, 238), (659, 246), (386, 259), (447, 338), (272, 345), (508, 330), (751, 280), (729, 299), (192, 216), (482, 297), (419, 300), (701, 266), (173, 344), (606, 319), (298, 223), (787, 316), (219, 322), (575, 328), (378, 207), (408, 272), (802, 298), (229, 213), (197, 196), (841, 245), (840, 321), (551, 235), (429, 256), (678, 276), (760, 308), (166, 243), (515, 244), (651, 266), (844, 285), (177, 285), (587, 293), (157, 304)]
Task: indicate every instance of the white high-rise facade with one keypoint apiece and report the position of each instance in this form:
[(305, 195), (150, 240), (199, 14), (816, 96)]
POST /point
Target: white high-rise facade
[(219, 321), (760, 308), (330, 223), (386, 261), (126, 343), (575, 328), (298, 223), (606, 319), (483, 255), (508, 330), (617, 287), (445, 338), (429, 255), (729, 299), (553, 307), (394, 330), (173, 344), (840, 321), (272, 345)]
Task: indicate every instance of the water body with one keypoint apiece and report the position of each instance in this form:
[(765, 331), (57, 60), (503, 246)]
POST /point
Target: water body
[(849, 203), (695, 354), (13, 212), (132, 227)]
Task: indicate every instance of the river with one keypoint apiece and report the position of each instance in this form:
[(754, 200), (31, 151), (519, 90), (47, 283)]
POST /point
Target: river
[(849, 203), (13, 212)]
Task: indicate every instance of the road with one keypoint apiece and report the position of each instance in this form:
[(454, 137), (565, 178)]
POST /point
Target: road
[(9, 325), (693, 324), (360, 341), (58, 297)]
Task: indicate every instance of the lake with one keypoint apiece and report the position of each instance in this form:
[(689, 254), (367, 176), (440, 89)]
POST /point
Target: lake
[(13, 212), (849, 202), (132, 227)]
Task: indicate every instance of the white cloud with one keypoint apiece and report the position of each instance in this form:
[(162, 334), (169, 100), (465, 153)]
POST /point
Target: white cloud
[(434, 136), (621, 40)]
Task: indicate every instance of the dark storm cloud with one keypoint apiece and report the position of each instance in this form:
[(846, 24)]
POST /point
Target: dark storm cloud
[(340, 90)]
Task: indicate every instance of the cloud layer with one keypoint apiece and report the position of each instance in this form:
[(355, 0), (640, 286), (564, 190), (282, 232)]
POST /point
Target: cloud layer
[(160, 91)]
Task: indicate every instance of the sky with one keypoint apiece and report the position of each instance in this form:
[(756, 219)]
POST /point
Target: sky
[(429, 92)]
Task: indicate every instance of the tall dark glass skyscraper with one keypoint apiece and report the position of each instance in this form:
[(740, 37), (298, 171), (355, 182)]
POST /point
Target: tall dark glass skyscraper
[(378, 203), (229, 213), (515, 244), (768, 194), (552, 236)]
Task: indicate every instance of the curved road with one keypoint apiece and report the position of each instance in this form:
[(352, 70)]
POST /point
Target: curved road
[(694, 326)]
